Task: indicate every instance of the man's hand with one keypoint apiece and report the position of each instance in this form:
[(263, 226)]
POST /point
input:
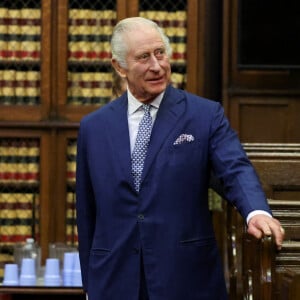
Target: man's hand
[(262, 225)]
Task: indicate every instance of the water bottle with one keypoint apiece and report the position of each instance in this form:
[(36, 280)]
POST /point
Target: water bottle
[(32, 250)]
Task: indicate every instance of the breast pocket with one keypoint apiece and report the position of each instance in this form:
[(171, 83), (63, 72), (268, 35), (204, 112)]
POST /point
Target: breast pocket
[(184, 154)]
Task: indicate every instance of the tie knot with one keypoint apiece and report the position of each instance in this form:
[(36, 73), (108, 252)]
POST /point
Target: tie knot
[(146, 107)]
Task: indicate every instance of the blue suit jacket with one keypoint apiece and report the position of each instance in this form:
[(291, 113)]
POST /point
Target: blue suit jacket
[(169, 220)]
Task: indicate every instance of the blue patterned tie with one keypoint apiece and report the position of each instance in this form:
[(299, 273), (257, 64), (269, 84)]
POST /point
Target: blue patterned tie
[(141, 145)]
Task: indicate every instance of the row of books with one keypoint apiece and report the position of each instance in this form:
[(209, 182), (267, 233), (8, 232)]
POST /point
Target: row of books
[(96, 88), (89, 51), (20, 50), (19, 216), (104, 15), (101, 22), (100, 51), (19, 87), (90, 32), (19, 172), (89, 88), (19, 147), (20, 31), (19, 160), (22, 16), (173, 23)]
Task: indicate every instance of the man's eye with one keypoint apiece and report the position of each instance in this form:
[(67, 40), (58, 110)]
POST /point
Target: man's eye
[(160, 53), (143, 56)]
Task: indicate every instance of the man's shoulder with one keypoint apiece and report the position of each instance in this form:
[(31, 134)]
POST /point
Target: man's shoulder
[(104, 111), (200, 100), (192, 98)]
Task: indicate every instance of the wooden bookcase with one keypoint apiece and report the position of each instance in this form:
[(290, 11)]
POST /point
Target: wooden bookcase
[(262, 101), (52, 67)]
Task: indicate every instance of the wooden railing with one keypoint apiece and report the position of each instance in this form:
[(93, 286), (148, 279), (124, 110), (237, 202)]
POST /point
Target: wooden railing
[(256, 269)]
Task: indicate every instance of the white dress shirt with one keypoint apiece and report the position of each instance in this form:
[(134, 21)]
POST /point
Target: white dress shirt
[(136, 112)]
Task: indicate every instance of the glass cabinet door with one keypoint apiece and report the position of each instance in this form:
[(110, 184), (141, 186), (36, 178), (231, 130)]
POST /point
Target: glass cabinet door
[(86, 75), (24, 56), (19, 193)]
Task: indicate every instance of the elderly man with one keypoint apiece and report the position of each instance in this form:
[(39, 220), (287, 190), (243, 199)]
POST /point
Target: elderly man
[(143, 170)]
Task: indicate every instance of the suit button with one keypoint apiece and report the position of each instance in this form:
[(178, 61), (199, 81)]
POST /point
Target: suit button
[(141, 217)]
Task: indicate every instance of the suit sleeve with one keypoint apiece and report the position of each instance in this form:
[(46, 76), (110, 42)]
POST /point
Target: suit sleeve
[(85, 207), (233, 169)]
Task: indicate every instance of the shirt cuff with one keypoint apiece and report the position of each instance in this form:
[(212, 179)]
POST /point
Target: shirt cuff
[(257, 212)]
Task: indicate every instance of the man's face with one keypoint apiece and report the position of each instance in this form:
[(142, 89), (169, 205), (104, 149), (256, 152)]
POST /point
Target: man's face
[(148, 69)]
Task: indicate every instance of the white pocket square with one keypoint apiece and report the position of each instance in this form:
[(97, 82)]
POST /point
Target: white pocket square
[(184, 138)]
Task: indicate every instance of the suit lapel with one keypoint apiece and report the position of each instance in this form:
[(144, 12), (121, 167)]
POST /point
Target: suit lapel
[(171, 109), (118, 133)]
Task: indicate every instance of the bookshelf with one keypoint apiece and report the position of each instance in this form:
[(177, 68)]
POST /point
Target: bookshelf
[(54, 69), (83, 63)]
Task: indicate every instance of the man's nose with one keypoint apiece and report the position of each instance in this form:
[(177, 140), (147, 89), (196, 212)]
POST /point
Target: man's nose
[(154, 64)]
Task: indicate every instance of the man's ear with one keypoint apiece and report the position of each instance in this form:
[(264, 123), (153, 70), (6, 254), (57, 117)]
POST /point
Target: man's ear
[(120, 70)]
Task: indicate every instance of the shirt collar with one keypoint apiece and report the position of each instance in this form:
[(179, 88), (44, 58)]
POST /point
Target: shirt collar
[(134, 104)]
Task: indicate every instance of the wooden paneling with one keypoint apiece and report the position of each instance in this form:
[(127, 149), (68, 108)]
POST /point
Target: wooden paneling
[(290, 286), (260, 119), (263, 104)]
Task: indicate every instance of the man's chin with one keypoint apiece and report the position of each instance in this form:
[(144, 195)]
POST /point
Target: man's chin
[(157, 88)]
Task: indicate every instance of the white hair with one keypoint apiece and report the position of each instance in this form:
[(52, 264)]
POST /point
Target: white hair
[(118, 45)]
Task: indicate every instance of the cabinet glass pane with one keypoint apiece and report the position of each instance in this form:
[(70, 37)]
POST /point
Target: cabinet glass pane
[(19, 193), (172, 16), (89, 71), (20, 43)]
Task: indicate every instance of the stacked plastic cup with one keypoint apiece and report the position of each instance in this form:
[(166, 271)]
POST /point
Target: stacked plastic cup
[(52, 272), (28, 274), (11, 274), (76, 279), (68, 267)]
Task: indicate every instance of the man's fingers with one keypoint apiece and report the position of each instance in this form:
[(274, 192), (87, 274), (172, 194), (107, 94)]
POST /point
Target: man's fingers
[(260, 226), (257, 233), (278, 234)]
